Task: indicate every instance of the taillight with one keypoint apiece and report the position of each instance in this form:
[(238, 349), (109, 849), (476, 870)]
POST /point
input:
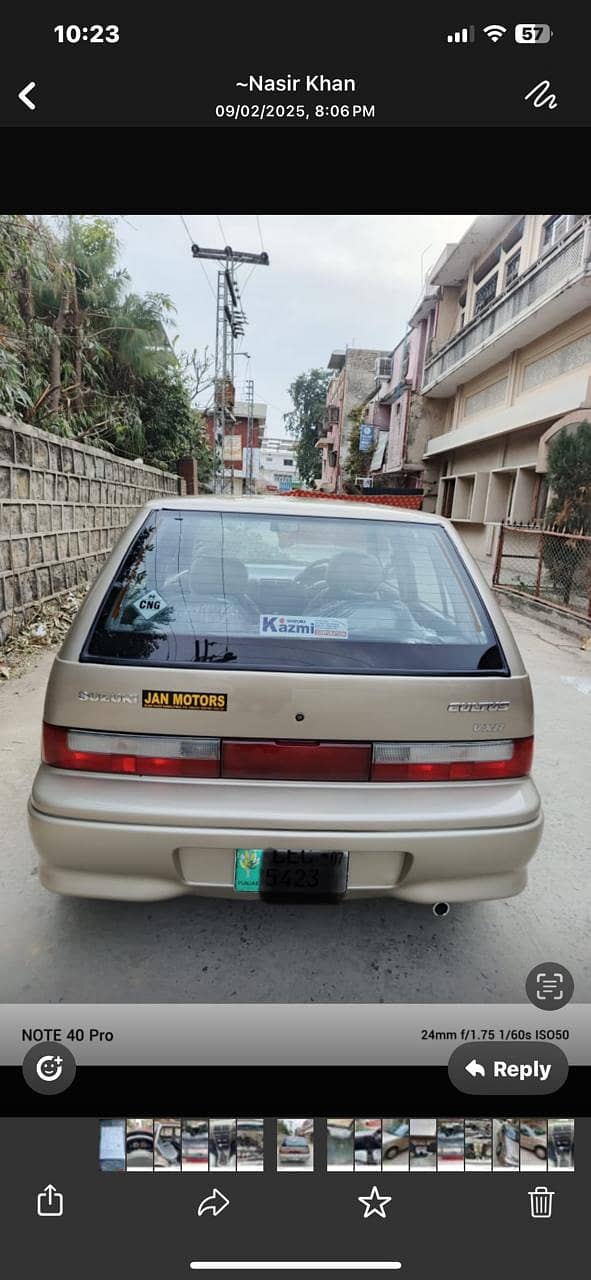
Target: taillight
[(155, 756), (297, 761), (284, 760), (451, 761)]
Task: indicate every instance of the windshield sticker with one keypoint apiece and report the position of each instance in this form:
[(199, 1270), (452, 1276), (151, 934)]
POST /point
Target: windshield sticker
[(150, 604), (282, 624), (177, 700)]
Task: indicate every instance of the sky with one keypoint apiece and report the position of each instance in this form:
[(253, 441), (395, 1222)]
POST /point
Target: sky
[(333, 281)]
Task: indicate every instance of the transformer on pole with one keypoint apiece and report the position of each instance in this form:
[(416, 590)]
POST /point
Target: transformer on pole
[(230, 325)]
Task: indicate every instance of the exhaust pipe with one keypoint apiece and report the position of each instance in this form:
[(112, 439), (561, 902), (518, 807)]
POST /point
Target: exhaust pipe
[(441, 909)]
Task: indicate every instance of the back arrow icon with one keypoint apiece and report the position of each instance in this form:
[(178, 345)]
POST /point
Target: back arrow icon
[(23, 95), (475, 1068), (215, 1203)]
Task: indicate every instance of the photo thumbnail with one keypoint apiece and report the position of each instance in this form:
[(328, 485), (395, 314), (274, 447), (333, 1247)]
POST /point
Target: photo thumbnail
[(295, 1145), (195, 1146), (140, 1146), (167, 1146)]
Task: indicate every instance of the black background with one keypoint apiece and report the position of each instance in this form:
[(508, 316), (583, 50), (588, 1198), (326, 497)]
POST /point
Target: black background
[(174, 67), (334, 1090)]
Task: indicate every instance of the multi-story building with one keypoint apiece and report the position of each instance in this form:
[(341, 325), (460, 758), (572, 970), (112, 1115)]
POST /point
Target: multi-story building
[(242, 436), (509, 361), (402, 419), (276, 465), (353, 380)]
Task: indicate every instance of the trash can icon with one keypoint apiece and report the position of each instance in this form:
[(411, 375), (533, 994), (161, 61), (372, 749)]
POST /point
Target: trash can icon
[(541, 1202)]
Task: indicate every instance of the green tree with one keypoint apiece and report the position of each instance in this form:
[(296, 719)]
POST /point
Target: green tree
[(170, 427), (82, 355), (569, 480), (569, 477), (357, 461), (306, 419)]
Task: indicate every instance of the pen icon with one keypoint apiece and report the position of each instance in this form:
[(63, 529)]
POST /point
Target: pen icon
[(542, 98)]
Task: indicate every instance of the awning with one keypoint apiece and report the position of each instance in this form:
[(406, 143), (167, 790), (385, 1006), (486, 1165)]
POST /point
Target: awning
[(379, 451)]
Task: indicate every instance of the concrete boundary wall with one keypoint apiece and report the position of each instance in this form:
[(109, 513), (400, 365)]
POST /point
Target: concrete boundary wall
[(62, 507)]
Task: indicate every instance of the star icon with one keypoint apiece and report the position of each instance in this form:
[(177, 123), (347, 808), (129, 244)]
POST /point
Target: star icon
[(374, 1203)]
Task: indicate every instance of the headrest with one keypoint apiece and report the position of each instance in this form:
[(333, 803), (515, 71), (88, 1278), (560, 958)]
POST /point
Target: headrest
[(211, 576), (355, 573)]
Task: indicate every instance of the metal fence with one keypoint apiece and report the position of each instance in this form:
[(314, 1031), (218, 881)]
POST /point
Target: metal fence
[(547, 565)]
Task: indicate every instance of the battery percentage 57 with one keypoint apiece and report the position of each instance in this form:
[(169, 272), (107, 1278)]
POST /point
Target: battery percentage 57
[(533, 33)]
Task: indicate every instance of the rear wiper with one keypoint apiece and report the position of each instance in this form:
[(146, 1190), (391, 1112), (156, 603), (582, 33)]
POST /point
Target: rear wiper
[(207, 656)]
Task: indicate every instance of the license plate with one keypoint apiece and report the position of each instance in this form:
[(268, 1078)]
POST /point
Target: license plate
[(305, 875), (280, 875)]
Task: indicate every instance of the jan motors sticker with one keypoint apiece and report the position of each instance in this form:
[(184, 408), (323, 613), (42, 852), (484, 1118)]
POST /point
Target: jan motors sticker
[(281, 624), (179, 700)]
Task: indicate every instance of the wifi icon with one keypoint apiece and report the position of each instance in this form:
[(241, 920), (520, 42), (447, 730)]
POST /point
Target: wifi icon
[(495, 31)]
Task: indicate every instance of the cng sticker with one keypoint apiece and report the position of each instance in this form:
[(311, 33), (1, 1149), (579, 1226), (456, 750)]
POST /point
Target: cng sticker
[(150, 604)]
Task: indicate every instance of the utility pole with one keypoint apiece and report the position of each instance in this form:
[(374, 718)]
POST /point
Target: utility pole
[(230, 324), (250, 432)]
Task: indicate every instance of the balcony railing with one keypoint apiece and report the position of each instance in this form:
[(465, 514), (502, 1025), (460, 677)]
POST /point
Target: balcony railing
[(555, 268)]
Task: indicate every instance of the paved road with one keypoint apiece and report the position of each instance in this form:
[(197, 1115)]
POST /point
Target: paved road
[(54, 949)]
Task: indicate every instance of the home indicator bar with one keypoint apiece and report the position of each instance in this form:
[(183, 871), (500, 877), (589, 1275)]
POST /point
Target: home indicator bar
[(296, 1266)]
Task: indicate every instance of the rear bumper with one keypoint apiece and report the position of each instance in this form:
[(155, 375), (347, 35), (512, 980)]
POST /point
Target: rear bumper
[(430, 861)]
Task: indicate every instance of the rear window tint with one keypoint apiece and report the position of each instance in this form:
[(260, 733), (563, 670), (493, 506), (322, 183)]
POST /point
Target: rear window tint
[(294, 593)]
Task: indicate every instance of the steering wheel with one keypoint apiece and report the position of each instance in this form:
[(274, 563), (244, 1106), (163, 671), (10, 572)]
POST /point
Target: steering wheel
[(312, 574)]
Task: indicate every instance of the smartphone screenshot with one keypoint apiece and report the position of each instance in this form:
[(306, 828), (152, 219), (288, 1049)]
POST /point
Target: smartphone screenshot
[(295, 643)]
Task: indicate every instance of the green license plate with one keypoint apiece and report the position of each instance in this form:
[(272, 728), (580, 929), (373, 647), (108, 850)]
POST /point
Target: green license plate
[(247, 870)]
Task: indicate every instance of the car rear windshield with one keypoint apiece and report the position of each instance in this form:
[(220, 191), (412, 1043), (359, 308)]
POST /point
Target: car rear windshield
[(294, 593)]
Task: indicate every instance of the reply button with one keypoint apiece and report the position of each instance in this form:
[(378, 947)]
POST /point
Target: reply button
[(535, 1067)]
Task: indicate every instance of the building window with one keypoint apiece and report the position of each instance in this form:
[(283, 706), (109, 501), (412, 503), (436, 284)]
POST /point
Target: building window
[(485, 294), (288, 462), (555, 228), (512, 268), (448, 497)]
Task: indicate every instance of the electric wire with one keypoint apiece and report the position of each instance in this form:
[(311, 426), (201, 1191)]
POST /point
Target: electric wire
[(200, 260)]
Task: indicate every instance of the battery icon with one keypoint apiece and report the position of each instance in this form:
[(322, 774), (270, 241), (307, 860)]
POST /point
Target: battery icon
[(533, 33)]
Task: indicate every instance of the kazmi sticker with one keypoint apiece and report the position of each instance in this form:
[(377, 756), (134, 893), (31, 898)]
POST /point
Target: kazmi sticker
[(285, 624)]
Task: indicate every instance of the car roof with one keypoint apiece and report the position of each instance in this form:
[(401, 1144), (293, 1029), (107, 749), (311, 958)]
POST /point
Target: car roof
[(272, 505)]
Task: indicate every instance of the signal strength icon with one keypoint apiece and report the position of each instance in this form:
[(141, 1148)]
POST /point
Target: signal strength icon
[(495, 32), (466, 35)]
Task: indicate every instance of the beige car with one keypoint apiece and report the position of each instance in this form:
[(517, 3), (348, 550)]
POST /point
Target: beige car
[(288, 699)]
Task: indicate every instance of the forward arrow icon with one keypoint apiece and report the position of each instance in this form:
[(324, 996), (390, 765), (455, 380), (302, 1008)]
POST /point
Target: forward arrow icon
[(215, 1203)]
